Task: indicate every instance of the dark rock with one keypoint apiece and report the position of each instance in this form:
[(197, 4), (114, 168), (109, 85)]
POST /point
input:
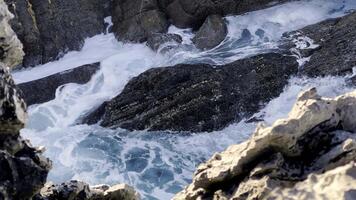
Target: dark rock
[(44, 89), (93, 117), (192, 13), (135, 20), (48, 29), (336, 52), (199, 97), (154, 41), (211, 33)]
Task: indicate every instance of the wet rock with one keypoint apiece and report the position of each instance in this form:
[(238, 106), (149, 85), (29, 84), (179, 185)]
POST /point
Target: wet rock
[(136, 20), (44, 89), (11, 53), (317, 136), (48, 29), (74, 190), (192, 13), (211, 33), (199, 97), (335, 41), (155, 41)]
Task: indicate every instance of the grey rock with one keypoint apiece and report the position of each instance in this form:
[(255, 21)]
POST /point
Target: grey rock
[(211, 33), (44, 89), (199, 97), (155, 41)]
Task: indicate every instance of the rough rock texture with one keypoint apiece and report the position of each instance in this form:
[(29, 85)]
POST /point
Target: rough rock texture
[(317, 136), (136, 20), (336, 50), (74, 190), (11, 52), (155, 41), (211, 33), (192, 13), (199, 97), (49, 28), (44, 89)]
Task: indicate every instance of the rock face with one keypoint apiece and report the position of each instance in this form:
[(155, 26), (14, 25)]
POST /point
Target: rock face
[(317, 136), (78, 190), (198, 97), (11, 53), (336, 46), (136, 20), (49, 28), (211, 33), (155, 41), (44, 89)]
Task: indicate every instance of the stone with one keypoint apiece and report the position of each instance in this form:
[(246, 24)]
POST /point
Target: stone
[(48, 29), (136, 20), (44, 89), (317, 137), (155, 41), (11, 53), (198, 97), (335, 46), (211, 33)]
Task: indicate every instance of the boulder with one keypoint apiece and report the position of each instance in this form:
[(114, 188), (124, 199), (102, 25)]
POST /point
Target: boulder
[(198, 97), (334, 50), (44, 89), (11, 53), (155, 41), (318, 135), (136, 20), (211, 33), (48, 29)]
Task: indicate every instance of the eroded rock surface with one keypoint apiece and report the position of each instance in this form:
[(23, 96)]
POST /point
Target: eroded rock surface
[(317, 136), (198, 97)]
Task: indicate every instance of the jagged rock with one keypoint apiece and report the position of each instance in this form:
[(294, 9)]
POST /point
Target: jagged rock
[(192, 13), (211, 33), (155, 41), (74, 190), (136, 20), (11, 52), (199, 97), (317, 136), (48, 29), (44, 89), (335, 41)]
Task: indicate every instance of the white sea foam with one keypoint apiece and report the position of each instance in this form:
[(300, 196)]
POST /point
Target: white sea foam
[(159, 164)]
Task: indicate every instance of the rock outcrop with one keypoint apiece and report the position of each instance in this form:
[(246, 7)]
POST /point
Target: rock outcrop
[(11, 52), (155, 41), (334, 46), (211, 33), (198, 97), (44, 89), (48, 29), (318, 136)]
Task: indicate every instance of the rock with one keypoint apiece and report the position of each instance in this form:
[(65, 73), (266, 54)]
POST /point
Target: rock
[(50, 28), (192, 13), (317, 137), (136, 20), (199, 97), (11, 52), (335, 46), (155, 41), (44, 89), (211, 33), (74, 190)]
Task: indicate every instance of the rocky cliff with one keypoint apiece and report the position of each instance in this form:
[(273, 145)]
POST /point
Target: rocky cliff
[(294, 158)]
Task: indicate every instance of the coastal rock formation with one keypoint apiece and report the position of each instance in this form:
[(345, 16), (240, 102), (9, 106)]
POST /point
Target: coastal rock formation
[(334, 50), (317, 136), (11, 53), (155, 41), (211, 33), (44, 89), (48, 29), (198, 97), (136, 20)]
